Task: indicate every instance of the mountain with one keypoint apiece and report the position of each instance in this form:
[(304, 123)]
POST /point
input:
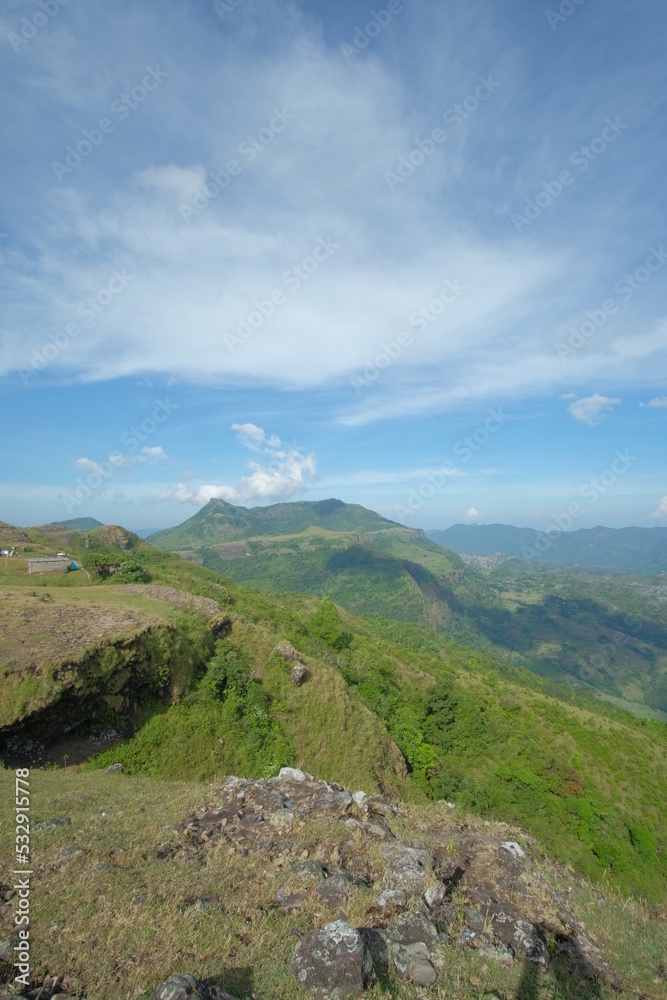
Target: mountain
[(359, 558), (627, 550), (79, 524), (570, 626), (220, 521)]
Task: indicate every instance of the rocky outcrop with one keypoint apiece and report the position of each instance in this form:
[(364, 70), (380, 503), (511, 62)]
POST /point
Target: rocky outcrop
[(473, 890), (470, 889)]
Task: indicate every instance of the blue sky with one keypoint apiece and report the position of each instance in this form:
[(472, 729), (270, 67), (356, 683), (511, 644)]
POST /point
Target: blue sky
[(411, 255)]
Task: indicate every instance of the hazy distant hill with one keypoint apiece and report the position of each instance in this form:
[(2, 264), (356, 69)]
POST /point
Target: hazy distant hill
[(79, 524), (628, 550)]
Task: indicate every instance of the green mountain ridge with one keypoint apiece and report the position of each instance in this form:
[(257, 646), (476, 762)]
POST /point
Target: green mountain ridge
[(220, 521)]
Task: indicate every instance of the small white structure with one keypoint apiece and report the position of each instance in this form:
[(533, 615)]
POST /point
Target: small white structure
[(48, 564)]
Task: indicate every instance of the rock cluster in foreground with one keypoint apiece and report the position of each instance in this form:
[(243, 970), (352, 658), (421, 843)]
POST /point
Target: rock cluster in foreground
[(467, 888)]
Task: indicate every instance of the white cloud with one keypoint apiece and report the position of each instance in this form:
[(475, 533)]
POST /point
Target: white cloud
[(180, 183), (289, 473), (472, 512), (659, 403), (92, 468), (155, 454), (660, 511), (588, 409)]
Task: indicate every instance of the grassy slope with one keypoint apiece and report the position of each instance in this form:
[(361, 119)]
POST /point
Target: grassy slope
[(117, 948), (587, 781)]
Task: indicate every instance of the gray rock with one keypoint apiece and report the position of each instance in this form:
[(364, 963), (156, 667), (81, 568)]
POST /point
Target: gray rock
[(56, 928), (496, 953), (401, 957), (114, 769), (422, 973), (298, 674), (334, 891), (392, 900), (289, 902), (7, 949), (206, 902), (309, 870), (360, 799), (407, 868), (293, 774), (412, 928), (139, 900), (435, 895), (67, 852), (100, 867), (51, 824), (474, 920), (333, 963), (288, 653), (184, 987), (514, 848)]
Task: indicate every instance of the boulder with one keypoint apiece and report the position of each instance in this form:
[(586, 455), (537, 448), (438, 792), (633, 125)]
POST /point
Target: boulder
[(422, 973), (288, 653), (333, 963), (298, 674), (407, 868), (334, 891), (392, 900)]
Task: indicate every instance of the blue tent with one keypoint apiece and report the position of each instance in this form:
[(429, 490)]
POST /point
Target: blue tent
[(73, 565)]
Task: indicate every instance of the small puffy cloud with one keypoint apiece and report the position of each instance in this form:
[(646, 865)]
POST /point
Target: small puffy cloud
[(88, 466), (659, 403), (288, 473), (155, 454), (568, 395), (589, 409), (660, 511), (472, 512)]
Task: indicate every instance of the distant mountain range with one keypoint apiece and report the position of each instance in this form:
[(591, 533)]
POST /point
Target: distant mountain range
[(626, 550)]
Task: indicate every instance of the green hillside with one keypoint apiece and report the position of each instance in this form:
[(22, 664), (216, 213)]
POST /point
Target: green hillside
[(398, 707), (561, 624)]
